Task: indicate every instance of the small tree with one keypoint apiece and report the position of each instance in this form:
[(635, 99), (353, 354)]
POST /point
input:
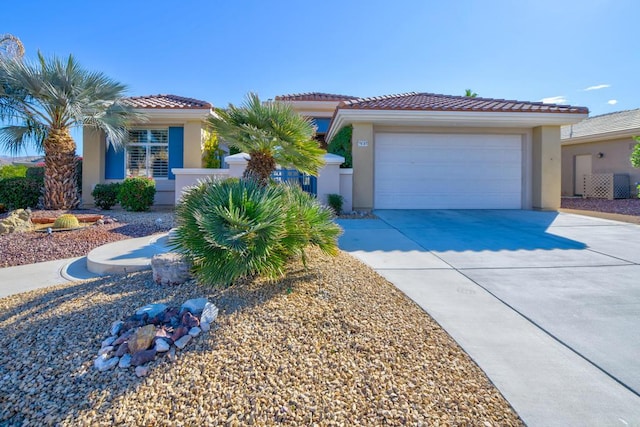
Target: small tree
[(211, 151), (340, 144), (635, 155)]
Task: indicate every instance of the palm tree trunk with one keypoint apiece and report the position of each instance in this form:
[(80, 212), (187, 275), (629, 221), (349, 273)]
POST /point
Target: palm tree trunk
[(60, 190), (260, 167)]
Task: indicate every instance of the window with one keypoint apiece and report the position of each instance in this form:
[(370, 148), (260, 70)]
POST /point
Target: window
[(148, 153)]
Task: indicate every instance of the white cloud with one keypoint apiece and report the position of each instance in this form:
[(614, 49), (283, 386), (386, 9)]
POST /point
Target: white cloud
[(596, 87), (612, 101), (554, 100)]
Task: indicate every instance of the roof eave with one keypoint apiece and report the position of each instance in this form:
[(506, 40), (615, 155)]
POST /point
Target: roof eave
[(344, 117), (175, 113), (626, 133)]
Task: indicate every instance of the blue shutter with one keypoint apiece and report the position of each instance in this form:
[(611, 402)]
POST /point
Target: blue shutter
[(322, 124), (114, 163), (176, 149)]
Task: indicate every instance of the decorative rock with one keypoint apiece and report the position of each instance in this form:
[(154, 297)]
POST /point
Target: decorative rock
[(182, 342), (124, 337), (106, 350), (195, 331), (125, 361), (205, 327), (209, 313), (109, 341), (170, 269), (158, 222), (195, 306), (142, 339), (162, 346), (142, 357), (107, 221), (162, 333), (104, 363), (122, 349), (189, 320), (142, 371), (179, 333), (18, 221), (152, 310), (172, 354), (100, 222), (116, 327)]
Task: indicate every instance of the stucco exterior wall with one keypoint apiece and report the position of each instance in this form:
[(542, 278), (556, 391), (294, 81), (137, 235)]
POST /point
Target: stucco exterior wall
[(362, 147), (193, 144), (615, 159), (546, 167), (93, 152)]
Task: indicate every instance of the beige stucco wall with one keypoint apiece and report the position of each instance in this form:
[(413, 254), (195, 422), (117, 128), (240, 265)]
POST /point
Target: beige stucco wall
[(192, 145), (615, 159), (546, 167), (93, 149), (362, 166)]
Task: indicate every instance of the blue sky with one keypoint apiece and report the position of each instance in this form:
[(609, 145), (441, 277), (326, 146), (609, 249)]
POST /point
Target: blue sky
[(218, 51)]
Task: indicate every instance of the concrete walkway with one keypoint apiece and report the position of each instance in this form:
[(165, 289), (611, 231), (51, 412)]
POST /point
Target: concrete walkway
[(547, 304)]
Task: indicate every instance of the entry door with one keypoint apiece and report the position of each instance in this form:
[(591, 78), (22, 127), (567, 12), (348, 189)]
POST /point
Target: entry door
[(582, 168)]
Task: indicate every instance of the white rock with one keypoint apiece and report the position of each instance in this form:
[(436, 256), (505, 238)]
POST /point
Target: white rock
[(104, 363), (116, 327), (142, 371), (195, 306), (108, 342), (195, 331), (172, 354), (151, 309), (125, 361), (162, 345), (205, 326), (105, 350), (183, 341), (209, 313), (170, 269)]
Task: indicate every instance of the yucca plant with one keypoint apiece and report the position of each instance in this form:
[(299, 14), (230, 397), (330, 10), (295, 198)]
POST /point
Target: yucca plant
[(240, 228)]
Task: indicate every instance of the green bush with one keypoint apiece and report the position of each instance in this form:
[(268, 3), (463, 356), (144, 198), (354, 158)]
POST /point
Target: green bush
[(106, 195), (20, 193), (36, 172), (340, 144), (335, 202), (13, 171), (137, 193), (238, 228)]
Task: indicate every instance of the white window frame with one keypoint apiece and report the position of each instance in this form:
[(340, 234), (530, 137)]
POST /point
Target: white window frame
[(147, 145)]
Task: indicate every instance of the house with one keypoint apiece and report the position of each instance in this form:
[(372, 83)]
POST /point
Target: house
[(600, 145), (170, 138), (429, 151)]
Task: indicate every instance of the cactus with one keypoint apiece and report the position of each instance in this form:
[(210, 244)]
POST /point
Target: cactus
[(66, 221)]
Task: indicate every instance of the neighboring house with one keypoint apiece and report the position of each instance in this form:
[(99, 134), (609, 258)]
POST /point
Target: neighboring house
[(319, 106), (428, 151), (599, 145), (170, 138)]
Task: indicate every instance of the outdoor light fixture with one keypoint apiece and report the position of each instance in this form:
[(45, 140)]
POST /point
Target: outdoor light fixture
[(600, 155)]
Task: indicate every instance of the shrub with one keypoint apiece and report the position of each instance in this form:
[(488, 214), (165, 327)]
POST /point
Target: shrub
[(20, 193), (340, 144), (238, 228), (66, 221), (335, 202), (13, 171), (137, 193), (106, 195), (211, 151), (36, 172)]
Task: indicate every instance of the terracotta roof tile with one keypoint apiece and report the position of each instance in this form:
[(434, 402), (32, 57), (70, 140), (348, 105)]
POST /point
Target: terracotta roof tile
[(166, 101), (620, 121), (435, 102), (314, 96)]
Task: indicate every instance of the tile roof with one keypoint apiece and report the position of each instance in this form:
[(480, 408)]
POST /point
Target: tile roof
[(619, 121), (166, 101), (314, 96), (435, 102)]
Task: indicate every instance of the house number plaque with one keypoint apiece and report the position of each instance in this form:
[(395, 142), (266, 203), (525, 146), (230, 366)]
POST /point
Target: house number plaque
[(363, 143)]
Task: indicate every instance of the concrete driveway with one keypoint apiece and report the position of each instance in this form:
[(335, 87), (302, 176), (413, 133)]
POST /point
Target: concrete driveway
[(547, 304)]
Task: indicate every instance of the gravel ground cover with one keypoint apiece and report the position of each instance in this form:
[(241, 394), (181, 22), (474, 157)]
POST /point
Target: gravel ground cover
[(28, 248), (618, 206), (333, 344)]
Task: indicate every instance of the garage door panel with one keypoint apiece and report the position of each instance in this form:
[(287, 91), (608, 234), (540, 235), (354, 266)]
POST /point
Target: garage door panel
[(428, 171)]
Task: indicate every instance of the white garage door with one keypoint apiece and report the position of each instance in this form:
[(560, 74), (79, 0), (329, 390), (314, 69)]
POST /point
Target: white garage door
[(444, 171)]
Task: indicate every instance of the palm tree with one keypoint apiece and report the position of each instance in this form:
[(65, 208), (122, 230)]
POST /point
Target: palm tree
[(43, 100), (272, 133), (470, 93)]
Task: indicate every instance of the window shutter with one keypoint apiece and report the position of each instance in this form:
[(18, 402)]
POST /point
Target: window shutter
[(176, 149), (114, 163)]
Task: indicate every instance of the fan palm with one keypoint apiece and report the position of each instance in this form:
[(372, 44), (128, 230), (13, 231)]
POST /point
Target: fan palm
[(42, 101), (11, 46), (272, 133)]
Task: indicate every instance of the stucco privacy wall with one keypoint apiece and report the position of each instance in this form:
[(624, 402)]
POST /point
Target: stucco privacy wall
[(362, 148), (546, 167), (615, 159)]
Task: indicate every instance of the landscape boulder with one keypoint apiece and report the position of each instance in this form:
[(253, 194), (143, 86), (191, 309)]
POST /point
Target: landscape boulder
[(18, 221), (170, 269)]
